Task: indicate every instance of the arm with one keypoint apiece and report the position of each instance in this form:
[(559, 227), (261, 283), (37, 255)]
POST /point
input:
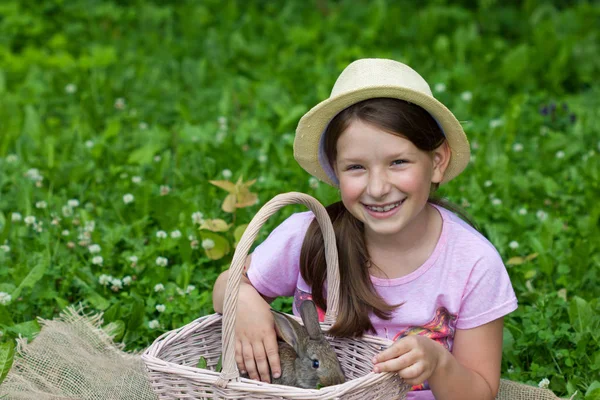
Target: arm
[(471, 371), (256, 350)]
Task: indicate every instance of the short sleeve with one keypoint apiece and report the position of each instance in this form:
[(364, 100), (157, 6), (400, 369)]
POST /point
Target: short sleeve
[(488, 294), (275, 266)]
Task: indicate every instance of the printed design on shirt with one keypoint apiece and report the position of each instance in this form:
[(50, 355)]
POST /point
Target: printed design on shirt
[(441, 329), (300, 296)]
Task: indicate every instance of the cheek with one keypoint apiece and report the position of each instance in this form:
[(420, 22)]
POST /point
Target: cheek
[(350, 190)]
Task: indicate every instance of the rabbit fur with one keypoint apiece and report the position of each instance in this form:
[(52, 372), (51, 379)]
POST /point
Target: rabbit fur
[(307, 359)]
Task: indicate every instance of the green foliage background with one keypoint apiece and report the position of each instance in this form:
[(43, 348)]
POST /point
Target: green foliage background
[(94, 93)]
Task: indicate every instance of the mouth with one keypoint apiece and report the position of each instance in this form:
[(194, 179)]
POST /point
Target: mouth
[(385, 208)]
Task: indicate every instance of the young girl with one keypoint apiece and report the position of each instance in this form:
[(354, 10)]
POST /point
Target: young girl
[(411, 270)]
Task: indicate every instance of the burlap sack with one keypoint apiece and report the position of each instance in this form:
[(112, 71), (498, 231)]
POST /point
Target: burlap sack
[(72, 358)]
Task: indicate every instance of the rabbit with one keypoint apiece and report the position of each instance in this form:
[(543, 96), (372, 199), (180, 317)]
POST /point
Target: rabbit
[(307, 359)]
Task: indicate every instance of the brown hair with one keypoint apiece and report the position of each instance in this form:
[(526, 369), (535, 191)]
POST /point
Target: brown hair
[(358, 296)]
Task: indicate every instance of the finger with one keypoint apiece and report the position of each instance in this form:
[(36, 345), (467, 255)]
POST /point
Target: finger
[(239, 358), (272, 351), (249, 363), (261, 362), (394, 364), (413, 374), (394, 351)]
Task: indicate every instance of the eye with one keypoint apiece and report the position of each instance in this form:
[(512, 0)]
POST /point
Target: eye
[(399, 162), (315, 364), (353, 167)]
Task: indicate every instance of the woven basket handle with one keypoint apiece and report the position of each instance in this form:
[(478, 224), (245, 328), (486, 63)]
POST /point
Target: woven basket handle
[(237, 266)]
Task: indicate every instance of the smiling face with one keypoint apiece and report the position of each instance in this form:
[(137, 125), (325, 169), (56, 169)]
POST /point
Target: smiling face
[(385, 180)]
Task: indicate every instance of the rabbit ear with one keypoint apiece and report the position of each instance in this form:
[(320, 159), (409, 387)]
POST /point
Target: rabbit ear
[(310, 317), (289, 330)]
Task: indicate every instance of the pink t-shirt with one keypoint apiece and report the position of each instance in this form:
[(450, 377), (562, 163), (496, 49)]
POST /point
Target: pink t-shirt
[(462, 285)]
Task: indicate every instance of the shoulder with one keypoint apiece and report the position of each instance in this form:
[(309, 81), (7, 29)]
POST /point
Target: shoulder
[(465, 242)]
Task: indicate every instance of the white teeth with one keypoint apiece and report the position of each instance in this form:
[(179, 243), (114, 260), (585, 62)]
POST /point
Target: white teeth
[(385, 208)]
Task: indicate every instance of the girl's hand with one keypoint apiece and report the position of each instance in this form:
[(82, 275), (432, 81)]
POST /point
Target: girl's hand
[(414, 357), (256, 350)]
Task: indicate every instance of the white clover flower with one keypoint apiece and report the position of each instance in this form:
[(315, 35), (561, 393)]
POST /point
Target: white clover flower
[(136, 179), (522, 211), (128, 198), (474, 145), (16, 217), (261, 179), (164, 190), (197, 218), (124, 175), (161, 234), (133, 259), (176, 234), (440, 87), (104, 279), (120, 103), (30, 220), (513, 245), (154, 324), (89, 226), (190, 288), (560, 154), (544, 383), (159, 287), (466, 96), (157, 158), (116, 284), (222, 120), (208, 244), (73, 203), (496, 201), (5, 248), (97, 260), (160, 308), (11, 158), (71, 88), (41, 204), (487, 183), (180, 291), (542, 215), (313, 182), (94, 248), (65, 233), (496, 123), (227, 173), (67, 211), (262, 158), (162, 261), (510, 369), (544, 130), (143, 126), (89, 144), (34, 174), (5, 298), (127, 280), (517, 147)]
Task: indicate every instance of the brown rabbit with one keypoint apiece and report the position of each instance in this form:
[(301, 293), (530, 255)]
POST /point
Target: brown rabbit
[(307, 359)]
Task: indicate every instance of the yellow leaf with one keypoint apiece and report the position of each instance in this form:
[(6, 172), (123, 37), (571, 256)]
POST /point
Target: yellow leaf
[(515, 261), (531, 256), (220, 245), (248, 199), (238, 232), (226, 185), (229, 203), (215, 225)]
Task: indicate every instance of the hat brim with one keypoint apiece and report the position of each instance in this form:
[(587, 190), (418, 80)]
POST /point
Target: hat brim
[(313, 124)]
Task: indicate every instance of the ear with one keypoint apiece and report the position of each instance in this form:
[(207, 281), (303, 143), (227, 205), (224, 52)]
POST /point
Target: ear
[(441, 159), (310, 317), (289, 330)]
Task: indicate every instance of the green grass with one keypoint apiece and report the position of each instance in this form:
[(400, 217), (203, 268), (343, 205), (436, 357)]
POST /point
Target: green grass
[(95, 94)]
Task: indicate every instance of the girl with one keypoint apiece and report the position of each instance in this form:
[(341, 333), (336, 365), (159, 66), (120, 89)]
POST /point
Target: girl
[(411, 270)]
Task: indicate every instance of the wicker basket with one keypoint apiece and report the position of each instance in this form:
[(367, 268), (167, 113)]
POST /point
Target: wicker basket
[(171, 360)]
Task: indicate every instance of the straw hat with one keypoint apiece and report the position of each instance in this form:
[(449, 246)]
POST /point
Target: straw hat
[(366, 79)]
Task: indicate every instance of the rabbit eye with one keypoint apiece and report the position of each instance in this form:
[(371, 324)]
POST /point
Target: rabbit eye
[(315, 364)]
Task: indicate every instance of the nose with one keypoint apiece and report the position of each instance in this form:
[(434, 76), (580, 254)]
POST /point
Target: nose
[(378, 185)]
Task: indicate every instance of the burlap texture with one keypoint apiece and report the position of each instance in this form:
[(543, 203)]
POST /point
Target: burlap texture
[(72, 358)]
